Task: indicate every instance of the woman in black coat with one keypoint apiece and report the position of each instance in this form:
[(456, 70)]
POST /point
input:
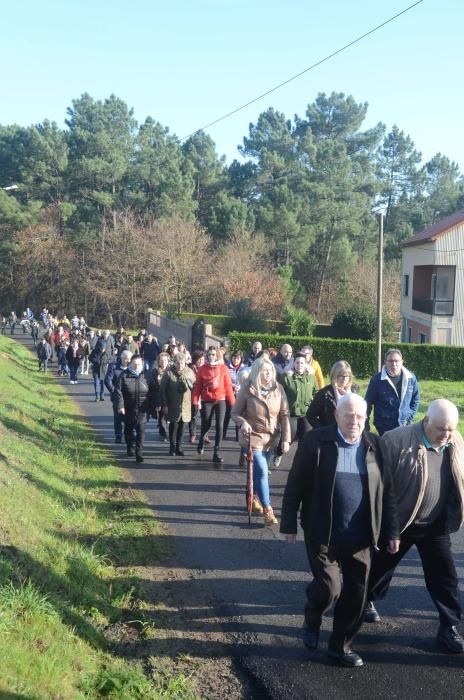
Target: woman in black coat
[(321, 410)]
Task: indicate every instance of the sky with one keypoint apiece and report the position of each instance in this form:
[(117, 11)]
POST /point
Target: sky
[(187, 63)]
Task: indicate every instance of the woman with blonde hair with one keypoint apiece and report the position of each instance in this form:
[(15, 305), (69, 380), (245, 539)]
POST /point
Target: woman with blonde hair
[(261, 412), (322, 408)]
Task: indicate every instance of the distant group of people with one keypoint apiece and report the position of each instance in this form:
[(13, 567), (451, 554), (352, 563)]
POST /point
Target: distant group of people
[(364, 499)]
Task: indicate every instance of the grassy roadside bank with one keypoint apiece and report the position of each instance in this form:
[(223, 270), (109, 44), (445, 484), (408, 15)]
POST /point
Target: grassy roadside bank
[(69, 529)]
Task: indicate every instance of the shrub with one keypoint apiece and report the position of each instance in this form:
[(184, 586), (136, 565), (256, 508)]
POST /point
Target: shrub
[(426, 361), (245, 317), (298, 321), (359, 323)]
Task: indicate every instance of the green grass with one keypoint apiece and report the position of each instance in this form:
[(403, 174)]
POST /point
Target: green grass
[(74, 538)]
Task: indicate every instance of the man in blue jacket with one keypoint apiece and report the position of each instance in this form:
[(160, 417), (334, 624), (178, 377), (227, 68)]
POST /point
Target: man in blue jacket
[(393, 393)]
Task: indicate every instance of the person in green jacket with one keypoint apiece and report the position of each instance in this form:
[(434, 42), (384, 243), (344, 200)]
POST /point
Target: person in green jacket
[(300, 388)]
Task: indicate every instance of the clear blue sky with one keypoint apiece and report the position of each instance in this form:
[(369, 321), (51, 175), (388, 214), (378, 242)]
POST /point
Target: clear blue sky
[(185, 63)]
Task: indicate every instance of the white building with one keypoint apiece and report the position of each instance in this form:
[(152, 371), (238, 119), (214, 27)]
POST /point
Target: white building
[(432, 294)]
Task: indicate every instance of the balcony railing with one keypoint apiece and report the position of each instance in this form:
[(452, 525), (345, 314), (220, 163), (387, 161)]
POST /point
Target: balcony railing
[(433, 307)]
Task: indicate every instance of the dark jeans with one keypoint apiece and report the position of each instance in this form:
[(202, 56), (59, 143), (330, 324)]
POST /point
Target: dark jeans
[(134, 427), (208, 409), (117, 421), (434, 546), (73, 372), (299, 425), (44, 364), (176, 433), (326, 588)]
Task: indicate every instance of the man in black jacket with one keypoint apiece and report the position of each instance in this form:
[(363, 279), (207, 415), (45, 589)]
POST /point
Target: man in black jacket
[(134, 403), (346, 498)]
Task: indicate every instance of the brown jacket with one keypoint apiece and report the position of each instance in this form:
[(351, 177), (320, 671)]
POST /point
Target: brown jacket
[(267, 416), (406, 456)]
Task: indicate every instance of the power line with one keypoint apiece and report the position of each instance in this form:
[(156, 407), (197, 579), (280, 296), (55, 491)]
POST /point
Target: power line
[(306, 70)]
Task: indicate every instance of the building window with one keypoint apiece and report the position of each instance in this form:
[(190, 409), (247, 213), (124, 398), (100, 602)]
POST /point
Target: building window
[(409, 334), (422, 338), (405, 285)]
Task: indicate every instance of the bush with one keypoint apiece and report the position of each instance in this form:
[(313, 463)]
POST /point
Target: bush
[(359, 323), (441, 362), (245, 317), (298, 321)]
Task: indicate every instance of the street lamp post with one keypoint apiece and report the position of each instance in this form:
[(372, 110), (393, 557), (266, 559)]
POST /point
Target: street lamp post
[(379, 295)]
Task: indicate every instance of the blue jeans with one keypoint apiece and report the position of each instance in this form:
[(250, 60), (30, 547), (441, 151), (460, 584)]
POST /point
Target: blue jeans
[(98, 385), (260, 476)]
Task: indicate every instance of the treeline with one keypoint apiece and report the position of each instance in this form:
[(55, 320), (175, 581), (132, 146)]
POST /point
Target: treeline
[(91, 197)]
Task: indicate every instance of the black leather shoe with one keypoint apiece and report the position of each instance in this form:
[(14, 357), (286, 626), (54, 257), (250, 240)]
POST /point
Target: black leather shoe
[(139, 458), (217, 459), (102, 398), (450, 638), (118, 440), (346, 658), (310, 637), (370, 613), (172, 452), (179, 452)]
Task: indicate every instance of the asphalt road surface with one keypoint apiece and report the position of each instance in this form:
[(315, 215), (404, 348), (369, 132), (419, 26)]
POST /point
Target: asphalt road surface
[(256, 582)]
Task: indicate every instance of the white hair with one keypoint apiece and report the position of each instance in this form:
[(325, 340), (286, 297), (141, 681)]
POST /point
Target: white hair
[(442, 410), (355, 399)]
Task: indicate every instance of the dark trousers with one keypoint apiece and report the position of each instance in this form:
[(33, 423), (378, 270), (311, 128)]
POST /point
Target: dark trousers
[(208, 409), (434, 546), (194, 422), (176, 433), (299, 425), (73, 372), (134, 427), (326, 588), (117, 420), (226, 423), (162, 425)]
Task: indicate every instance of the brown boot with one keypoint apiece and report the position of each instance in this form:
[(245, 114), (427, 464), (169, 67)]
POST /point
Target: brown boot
[(257, 507)]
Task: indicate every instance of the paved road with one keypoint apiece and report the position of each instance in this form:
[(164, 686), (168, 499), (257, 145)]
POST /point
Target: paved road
[(256, 583)]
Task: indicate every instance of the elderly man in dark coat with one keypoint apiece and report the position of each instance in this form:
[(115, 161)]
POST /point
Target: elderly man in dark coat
[(345, 495)]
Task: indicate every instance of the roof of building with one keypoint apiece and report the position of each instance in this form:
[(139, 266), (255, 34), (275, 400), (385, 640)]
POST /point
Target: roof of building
[(438, 229)]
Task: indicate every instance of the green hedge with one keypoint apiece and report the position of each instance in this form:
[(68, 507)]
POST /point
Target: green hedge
[(426, 361)]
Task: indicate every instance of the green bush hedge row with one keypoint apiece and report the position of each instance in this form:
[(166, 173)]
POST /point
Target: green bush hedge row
[(441, 362)]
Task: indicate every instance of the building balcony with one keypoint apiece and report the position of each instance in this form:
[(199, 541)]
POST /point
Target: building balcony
[(433, 307)]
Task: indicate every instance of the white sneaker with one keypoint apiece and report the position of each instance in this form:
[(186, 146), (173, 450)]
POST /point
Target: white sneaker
[(277, 461)]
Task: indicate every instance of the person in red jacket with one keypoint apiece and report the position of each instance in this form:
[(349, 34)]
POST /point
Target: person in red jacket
[(213, 389)]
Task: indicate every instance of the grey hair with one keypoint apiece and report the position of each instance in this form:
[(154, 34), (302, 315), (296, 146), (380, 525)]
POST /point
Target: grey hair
[(442, 409), (126, 354), (390, 351), (179, 356)]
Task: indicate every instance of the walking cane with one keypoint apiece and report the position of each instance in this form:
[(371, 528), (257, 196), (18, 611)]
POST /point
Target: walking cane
[(249, 484)]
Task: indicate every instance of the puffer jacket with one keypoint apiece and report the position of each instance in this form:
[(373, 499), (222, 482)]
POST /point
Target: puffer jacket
[(405, 453), (266, 415), (133, 394), (213, 384), (391, 410)]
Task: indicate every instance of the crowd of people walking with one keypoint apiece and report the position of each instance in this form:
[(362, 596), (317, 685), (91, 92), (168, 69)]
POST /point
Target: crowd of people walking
[(364, 498)]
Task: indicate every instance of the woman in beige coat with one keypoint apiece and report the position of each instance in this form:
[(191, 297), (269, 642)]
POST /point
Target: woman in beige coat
[(261, 412), (176, 401)]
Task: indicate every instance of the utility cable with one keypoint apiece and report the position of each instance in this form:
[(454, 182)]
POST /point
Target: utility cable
[(306, 70)]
